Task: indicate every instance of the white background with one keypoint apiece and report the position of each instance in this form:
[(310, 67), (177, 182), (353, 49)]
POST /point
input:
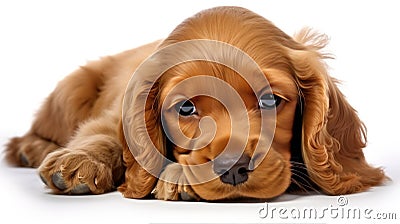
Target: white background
[(42, 41)]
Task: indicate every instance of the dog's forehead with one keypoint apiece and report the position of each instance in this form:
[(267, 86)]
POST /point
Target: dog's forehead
[(214, 79)]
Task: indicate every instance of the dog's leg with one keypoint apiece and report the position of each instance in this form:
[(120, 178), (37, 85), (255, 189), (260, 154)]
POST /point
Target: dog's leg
[(73, 138), (29, 150), (173, 185), (90, 163), (66, 107)]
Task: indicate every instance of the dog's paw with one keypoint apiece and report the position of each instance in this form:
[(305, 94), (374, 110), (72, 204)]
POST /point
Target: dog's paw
[(173, 186), (28, 151), (75, 172)]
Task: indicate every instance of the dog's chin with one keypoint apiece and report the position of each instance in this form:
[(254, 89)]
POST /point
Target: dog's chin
[(269, 180), (218, 191)]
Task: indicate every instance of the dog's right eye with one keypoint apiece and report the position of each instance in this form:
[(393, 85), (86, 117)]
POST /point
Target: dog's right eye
[(269, 101), (185, 108)]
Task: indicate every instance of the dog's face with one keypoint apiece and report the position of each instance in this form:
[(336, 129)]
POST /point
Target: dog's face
[(242, 163), (238, 133)]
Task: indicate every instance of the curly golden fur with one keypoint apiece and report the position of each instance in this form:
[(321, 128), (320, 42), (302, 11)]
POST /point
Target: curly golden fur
[(79, 145)]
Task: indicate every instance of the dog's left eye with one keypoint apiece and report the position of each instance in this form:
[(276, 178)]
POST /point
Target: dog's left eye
[(185, 108), (269, 101)]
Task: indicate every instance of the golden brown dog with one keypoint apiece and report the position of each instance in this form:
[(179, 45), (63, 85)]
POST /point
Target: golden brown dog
[(295, 129)]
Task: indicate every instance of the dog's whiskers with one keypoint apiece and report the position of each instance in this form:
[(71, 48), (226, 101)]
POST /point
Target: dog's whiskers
[(300, 177), (306, 185)]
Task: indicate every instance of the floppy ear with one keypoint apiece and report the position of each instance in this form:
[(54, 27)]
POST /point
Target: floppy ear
[(333, 135), (142, 141)]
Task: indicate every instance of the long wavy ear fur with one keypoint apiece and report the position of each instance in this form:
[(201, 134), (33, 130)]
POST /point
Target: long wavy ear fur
[(138, 182), (333, 134), (147, 139)]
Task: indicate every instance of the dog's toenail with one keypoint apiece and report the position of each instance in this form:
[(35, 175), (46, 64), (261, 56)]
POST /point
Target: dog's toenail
[(58, 181), (186, 197), (80, 189), (42, 178), (24, 160)]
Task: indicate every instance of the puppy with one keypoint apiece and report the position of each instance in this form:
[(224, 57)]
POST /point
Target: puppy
[(227, 106)]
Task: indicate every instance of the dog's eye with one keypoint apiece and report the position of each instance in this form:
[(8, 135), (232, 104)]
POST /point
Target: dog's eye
[(269, 101), (185, 108)]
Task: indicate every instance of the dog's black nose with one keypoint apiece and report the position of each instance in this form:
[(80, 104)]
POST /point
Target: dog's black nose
[(232, 170)]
